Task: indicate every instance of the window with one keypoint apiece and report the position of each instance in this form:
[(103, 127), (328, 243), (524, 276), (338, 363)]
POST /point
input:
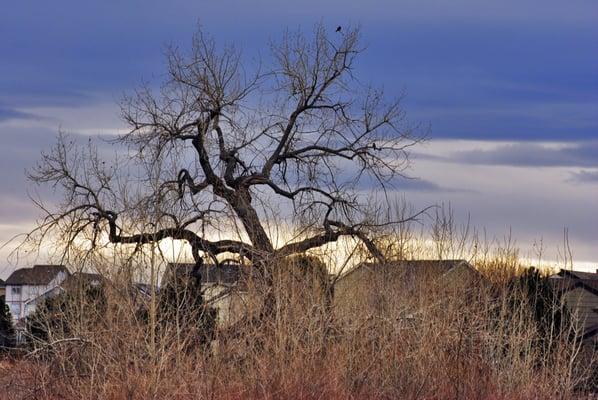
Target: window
[(16, 290), (15, 310)]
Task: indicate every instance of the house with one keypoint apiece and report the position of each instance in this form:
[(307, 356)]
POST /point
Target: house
[(79, 280), (25, 286), (371, 286), (224, 286), (579, 293), (73, 283), (225, 274), (411, 273)]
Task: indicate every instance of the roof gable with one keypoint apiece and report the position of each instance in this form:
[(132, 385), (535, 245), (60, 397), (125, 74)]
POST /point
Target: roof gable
[(590, 276), (567, 280), (39, 275)]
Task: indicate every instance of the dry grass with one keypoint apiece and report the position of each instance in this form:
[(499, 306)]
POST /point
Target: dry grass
[(382, 340), (444, 342)]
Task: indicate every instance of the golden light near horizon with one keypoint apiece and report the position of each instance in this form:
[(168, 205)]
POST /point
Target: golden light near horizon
[(340, 257)]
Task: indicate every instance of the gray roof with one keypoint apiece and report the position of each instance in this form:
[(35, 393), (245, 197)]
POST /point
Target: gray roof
[(567, 280), (580, 275), (415, 268), (224, 274), (38, 275), (82, 278)]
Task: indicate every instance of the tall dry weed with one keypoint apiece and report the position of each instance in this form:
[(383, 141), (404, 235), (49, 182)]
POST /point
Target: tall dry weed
[(383, 338)]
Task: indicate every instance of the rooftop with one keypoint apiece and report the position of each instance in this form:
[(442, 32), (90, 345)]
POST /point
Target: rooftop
[(227, 274), (38, 275), (567, 280), (79, 279), (420, 268)]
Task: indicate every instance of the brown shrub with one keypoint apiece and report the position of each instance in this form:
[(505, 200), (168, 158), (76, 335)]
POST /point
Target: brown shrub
[(441, 341)]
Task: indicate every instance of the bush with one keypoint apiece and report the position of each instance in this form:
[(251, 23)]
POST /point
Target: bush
[(56, 316), (534, 292), (438, 340), (182, 311), (7, 330)]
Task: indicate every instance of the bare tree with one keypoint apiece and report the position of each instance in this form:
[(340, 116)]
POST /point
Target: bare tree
[(218, 144)]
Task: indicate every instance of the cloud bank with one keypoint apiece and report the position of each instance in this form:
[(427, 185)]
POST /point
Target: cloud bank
[(584, 154)]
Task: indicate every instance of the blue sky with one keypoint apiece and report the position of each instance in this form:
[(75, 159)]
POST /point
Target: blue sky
[(521, 70), (508, 87)]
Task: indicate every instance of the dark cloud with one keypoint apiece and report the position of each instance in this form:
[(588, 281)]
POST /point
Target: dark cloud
[(584, 176), (584, 154), (10, 113), (524, 73), (530, 216), (402, 184), (16, 210), (406, 184), (39, 94), (549, 123), (346, 173), (418, 185), (423, 185), (20, 151)]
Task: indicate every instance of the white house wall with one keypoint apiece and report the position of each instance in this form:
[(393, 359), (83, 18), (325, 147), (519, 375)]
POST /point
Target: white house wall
[(18, 302)]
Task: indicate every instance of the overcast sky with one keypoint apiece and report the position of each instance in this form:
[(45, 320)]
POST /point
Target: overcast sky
[(509, 88)]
